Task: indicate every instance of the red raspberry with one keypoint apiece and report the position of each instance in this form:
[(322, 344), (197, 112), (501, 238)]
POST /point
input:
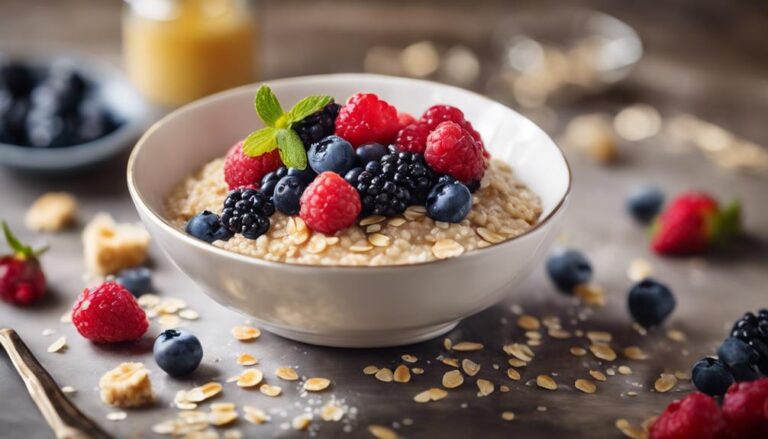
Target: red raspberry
[(437, 114), (22, 280), (329, 204), (684, 227), (405, 119), (366, 119), (241, 170), (413, 138), (743, 409), (109, 313), (697, 416), (452, 150)]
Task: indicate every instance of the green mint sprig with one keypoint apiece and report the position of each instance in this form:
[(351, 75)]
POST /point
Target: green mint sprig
[(278, 133)]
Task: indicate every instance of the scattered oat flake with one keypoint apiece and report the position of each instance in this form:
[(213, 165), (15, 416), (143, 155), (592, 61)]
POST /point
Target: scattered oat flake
[(48, 332), (630, 430), (590, 294), (559, 333), (206, 391), (117, 416), (331, 412), (665, 382), (219, 418), (417, 370), (189, 314), (169, 321), (250, 378), (470, 367), (223, 406), (513, 374), (246, 360), (268, 390), (301, 422), (59, 345), (504, 389), (402, 374), (508, 416), (625, 370), (683, 376), (486, 387), (246, 333), (385, 375), (585, 386), (433, 394), (382, 432), (639, 269), (255, 415), (316, 384), (452, 379), (520, 351), (287, 373), (599, 336), (370, 370), (516, 362), (546, 382), (447, 344), (578, 351), (68, 389), (676, 335), (409, 358), (454, 362), (603, 352), (467, 346), (596, 374), (635, 353)]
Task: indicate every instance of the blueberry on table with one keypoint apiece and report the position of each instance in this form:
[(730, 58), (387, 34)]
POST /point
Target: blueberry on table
[(177, 352), (331, 154), (288, 194), (370, 152), (568, 268), (645, 202), (208, 227), (136, 280), (449, 202), (711, 376), (740, 358), (650, 302)]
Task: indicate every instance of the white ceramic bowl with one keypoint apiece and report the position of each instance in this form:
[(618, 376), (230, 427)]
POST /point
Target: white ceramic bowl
[(347, 306)]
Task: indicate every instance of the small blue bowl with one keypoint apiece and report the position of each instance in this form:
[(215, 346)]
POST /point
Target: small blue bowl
[(124, 103)]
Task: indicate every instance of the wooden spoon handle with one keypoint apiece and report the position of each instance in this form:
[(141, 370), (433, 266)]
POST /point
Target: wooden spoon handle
[(64, 418)]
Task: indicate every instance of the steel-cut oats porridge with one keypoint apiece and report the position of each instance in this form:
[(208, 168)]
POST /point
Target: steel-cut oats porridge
[(503, 208)]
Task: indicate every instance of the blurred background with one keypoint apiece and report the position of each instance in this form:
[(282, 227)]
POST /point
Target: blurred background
[(698, 70)]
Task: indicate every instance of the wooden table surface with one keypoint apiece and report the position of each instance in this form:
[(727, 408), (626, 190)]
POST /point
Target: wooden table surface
[(707, 58)]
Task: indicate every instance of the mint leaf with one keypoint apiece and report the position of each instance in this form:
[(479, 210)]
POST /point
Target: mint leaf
[(307, 106), (267, 106), (292, 151), (260, 142)]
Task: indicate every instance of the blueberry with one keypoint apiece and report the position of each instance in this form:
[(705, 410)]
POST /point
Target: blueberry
[(207, 226), (136, 280), (306, 174), (15, 122), (288, 193), (46, 130), (645, 202), (740, 358), (568, 268), (710, 376), (449, 202), (331, 154), (177, 352), (650, 302), (370, 152)]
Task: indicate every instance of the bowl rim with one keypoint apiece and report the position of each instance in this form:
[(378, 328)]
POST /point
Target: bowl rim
[(204, 246)]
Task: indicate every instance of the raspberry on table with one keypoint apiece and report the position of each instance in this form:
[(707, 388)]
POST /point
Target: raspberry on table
[(683, 228), (329, 204), (437, 114), (241, 170), (365, 119), (413, 138), (696, 416), (743, 409), (452, 150), (109, 313)]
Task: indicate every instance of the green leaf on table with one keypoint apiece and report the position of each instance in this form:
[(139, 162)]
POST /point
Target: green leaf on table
[(307, 106), (260, 142), (292, 151), (267, 106)]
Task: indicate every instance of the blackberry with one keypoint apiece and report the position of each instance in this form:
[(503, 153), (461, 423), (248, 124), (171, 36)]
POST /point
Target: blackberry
[(753, 330), (247, 211), (388, 186), (317, 126)]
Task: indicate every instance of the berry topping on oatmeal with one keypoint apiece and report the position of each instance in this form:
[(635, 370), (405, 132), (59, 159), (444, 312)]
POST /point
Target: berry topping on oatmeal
[(452, 150), (329, 204), (366, 118), (241, 170)]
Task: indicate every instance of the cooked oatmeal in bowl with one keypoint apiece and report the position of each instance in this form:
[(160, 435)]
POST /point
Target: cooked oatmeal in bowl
[(502, 208), (358, 240)]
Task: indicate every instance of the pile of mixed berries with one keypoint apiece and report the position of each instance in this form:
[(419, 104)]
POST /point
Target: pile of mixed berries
[(50, 107), (332, 164)]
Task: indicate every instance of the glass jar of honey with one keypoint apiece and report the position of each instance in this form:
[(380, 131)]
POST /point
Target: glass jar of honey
[(176, 51)]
